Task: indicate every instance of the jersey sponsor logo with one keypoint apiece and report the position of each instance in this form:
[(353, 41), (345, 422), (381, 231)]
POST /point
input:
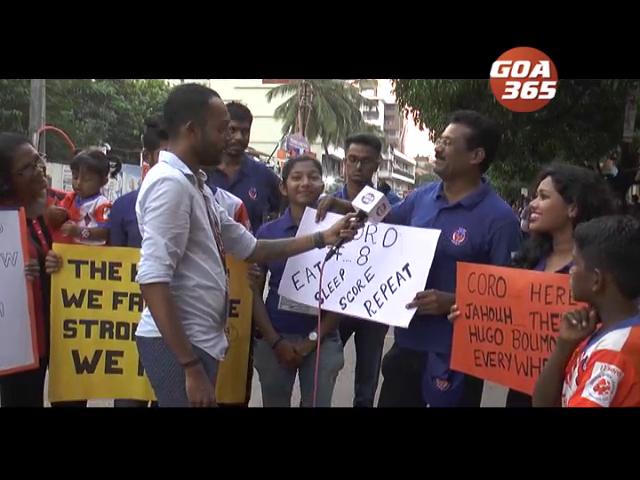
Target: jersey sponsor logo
[(602, 385)]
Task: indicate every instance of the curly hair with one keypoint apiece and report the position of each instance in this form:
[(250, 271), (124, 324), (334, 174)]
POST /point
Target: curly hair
[(578, 186)]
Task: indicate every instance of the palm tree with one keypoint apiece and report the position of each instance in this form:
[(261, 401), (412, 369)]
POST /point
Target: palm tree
[(329, 110)]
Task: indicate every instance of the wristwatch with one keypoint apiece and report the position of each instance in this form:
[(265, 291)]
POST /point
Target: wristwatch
[(84, 233), (313, 336)]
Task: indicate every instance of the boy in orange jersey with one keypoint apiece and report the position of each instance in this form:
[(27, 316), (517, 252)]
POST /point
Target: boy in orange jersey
[(596, 362)]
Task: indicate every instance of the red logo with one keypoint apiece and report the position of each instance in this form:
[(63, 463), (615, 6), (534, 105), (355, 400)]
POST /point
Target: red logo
[(523, 79), (603, 387), (459, 236)]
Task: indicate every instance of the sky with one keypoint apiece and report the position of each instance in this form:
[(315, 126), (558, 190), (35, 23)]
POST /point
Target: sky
[(417, 142)]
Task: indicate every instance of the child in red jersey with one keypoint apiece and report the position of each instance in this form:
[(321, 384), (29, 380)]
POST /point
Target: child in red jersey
[(596, 362), (87, 210)]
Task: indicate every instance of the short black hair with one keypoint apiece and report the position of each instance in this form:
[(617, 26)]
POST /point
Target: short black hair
[(239, 112), (186, 103), (368, 139), (484, 134), (611, 244), (96, 161), (155, 133)]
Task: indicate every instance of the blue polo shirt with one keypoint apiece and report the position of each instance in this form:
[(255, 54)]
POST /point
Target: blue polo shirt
[(123, 223), (480, 228), (255, 184), (284, 322)]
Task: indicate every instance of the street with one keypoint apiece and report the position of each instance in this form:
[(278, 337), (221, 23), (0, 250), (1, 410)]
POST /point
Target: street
[(494, 396)]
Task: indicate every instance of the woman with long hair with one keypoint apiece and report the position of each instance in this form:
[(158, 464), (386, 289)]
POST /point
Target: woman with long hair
[(565, 196), (23, 185)]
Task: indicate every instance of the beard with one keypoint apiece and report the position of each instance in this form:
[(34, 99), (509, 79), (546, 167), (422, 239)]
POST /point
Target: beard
[(209, 155)]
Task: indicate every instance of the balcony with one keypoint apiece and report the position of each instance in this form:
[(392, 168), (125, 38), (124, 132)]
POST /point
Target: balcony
[(371, 115)]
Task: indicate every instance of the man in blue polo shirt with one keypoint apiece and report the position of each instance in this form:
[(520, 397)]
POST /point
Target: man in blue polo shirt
[(248, 179), (362, 159), (477, 227)]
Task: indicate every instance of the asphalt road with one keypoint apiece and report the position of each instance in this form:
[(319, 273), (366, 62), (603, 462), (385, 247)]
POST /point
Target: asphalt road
[(494, 396)]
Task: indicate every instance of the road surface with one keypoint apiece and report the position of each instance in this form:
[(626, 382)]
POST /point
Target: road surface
[(494, 396)]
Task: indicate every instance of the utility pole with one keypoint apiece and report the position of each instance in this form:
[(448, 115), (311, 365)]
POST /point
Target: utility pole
[(37, 110)]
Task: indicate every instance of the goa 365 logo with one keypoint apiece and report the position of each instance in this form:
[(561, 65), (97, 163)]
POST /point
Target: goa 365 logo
[(523, 79)]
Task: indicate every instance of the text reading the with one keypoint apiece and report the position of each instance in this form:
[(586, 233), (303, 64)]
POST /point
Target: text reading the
[(509, 322), (103, 270)]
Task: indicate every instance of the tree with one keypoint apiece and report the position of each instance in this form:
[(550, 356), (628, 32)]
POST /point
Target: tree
[(89, 111), (581, 125), (334, 112)]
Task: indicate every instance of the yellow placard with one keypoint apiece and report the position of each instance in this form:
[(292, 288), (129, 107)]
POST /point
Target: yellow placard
[(95, 308)]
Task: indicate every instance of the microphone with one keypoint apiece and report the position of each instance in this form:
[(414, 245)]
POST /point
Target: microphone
[(370, 204)]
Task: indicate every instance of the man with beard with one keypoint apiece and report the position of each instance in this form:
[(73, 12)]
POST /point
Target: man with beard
[(248, 179), (185, 233), (477, 227)]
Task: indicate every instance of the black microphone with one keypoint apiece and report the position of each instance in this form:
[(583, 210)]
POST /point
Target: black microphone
[(372, 205), (361, 216)]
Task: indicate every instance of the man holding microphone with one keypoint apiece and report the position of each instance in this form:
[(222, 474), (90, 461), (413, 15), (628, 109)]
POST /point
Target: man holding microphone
[(477, 227)]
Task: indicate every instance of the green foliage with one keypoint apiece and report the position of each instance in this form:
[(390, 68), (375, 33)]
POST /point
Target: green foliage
[(89, 111), (580, 125), (335, 110)]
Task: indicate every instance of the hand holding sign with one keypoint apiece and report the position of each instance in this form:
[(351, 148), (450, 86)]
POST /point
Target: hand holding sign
[(32, 269), (432, 302), (373, 277), (53, 262)]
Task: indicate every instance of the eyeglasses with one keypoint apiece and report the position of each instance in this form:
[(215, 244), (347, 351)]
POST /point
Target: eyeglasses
[(364, 162)]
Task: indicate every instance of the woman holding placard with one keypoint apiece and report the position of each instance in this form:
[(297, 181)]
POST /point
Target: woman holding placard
[(287, 339), (23, 185), (566, 195)]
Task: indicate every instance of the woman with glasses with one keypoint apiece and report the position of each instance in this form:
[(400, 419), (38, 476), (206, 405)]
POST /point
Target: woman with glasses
[(23, 185)]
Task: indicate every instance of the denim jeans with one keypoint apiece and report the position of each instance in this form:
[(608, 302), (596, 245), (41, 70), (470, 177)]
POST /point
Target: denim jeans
[(277, 381)]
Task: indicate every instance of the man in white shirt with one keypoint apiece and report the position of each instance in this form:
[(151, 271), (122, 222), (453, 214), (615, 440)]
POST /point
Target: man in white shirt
[(185, 234)]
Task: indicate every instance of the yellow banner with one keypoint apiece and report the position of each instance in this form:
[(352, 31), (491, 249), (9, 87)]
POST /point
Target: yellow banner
[(95, 308)]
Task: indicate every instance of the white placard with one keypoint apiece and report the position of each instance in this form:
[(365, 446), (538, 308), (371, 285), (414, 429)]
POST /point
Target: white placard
[(372, 277), (17, 338)]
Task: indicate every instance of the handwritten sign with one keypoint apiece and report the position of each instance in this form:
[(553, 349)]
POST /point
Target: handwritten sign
[(372, 277), (509, 322), (18, 340), (96, 305)]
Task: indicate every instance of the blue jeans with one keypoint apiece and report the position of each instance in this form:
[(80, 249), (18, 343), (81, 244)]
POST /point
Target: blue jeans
[(277, 381)]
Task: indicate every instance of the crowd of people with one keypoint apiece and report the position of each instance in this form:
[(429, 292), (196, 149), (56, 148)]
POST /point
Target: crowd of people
[(203, 197)]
